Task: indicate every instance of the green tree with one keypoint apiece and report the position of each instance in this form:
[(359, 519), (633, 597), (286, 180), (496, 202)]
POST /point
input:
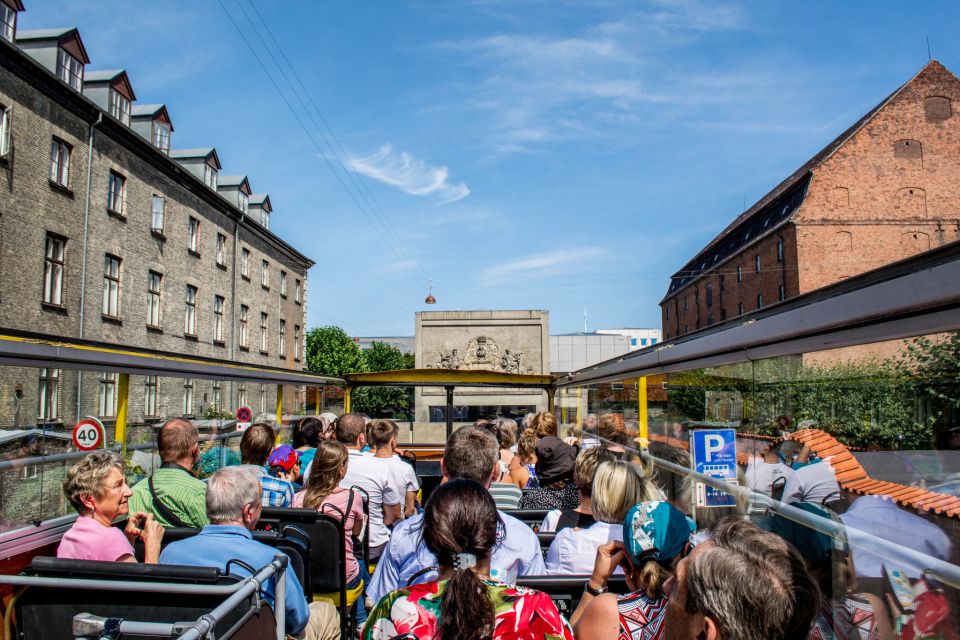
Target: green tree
[(383, 402), (934, 364), (331, 352)]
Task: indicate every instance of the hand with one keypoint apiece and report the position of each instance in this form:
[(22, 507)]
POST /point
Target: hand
[(151, 535), (289, 476), (609, 556), (570, 440), (133, 529)]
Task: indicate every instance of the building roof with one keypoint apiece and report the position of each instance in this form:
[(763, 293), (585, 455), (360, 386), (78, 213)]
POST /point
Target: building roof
[(15, 4), (261, 200), (202, 152), (153, 112), (232, 181), (60, 34), (770, 208), (109, 76)]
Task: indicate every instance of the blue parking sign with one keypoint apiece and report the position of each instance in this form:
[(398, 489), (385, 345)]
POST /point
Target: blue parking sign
[(714, 453)]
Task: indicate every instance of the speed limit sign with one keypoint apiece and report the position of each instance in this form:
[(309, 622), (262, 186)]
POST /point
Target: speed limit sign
[(88, 434)]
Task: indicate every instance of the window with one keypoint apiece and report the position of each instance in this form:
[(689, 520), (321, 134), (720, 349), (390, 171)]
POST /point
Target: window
[(119, 107), (263, 332), (108, 395), (298, 292), (245, 263), (154, 280), (668, 313), (158, 206), (8, 22), (116, 192), (759, 301), (150, 395), (721, 282), (4, 125), (296, 342), (243, 201), (188, 397), (783, 293), (49, 395), (282, 339), (190, 315), (218, 318), (779, 249), (241, 395), (283, 284), (686, 303), (244, 315), (740, 308), (263, 398), (161, 136), (210, 176), (217, 394), (111, 286), (194, 242), (53, 270), (265, 218), (265, 274), (709, 295), (60, 162), (69, 69), (739, 274), (221, 250), (757, 259)]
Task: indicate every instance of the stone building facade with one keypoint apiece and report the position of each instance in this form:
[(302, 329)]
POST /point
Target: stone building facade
[(110, 236), (887, 188)]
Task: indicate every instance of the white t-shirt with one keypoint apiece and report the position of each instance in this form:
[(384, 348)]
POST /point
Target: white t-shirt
[(817, 481), (761, 475), (404, 476), (574, 551), (374, 476)]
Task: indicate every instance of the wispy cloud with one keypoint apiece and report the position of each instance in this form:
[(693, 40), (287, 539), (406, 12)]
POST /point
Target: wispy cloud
[(542, 264), (409, 174)]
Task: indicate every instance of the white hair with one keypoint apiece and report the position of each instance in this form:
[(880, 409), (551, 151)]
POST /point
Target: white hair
[(229, 490)]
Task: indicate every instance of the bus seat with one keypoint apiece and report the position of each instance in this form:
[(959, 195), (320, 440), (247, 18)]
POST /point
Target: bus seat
[(46, 613), (566, 591), (532, 517), (546, 538)]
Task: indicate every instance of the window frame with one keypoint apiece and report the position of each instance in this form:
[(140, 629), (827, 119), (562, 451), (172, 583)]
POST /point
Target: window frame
[(54, 267), (244, 318), (8, 23), (283, 284), (219, 302), (265, 274), (782, 292), (111, 286), (150, 396), (739, 274), (220, 253), (118, 105), (48, 394), (264, 336), (160, 136), (69, 69), (779, 249), (210, 175), (153, 213), (243, 202), (758, 262), (113, 196), (154, 299), (193, 236), (245, 263), (297, 337), (107, 395), (187, 405), (298, 292), (190, 311), (759, 301), (60, 162), (5, 126), (282, 338)]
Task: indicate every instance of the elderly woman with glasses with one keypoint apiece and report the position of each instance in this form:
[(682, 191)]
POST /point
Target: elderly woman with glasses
[(97, 489)]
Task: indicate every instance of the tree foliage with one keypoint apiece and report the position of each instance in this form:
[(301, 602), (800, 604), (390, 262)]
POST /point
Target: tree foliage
[(331, 352), (383, 402)]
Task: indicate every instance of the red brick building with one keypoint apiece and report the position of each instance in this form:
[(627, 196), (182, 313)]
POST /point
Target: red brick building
[(887, 188)]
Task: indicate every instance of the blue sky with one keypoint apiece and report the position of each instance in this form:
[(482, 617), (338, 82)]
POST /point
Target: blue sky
[(548, 155)]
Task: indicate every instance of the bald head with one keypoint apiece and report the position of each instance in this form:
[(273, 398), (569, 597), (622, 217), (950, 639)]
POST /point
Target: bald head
[(177, 440)]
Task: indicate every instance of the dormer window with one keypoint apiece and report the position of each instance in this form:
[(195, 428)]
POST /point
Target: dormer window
[(243, 201), (265, 218), (210, 176), (161, 136), (70, 70), (119, 107), (8, 22)]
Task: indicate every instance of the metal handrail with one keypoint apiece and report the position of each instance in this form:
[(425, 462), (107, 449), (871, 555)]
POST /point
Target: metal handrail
[(942, 571)]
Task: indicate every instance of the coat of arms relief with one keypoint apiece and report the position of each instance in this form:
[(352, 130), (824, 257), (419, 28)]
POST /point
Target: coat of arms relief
[(482, 352)]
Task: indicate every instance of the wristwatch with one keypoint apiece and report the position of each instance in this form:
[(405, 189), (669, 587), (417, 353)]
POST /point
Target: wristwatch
[(595, 592)]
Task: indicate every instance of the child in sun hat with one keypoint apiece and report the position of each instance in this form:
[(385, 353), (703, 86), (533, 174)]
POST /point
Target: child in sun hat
[(655, 537)]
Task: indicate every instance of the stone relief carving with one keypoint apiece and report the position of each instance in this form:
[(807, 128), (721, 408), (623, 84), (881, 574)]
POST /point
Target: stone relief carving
[(482, 353)]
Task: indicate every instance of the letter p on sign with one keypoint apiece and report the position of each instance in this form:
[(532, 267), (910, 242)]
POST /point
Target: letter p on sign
[(712, 443)]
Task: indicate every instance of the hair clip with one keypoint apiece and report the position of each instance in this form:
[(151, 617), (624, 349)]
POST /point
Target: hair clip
[(464, 561)]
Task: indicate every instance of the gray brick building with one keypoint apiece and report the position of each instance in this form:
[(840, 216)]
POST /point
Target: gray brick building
[(109, 234)]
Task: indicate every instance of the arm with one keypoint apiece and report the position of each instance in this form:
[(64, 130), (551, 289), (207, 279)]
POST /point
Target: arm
[(550, 521), (391, 513), (552, 562), (410, 506), (599, 619), (518, 474), (609, 557), (385, 578), (531, 564)]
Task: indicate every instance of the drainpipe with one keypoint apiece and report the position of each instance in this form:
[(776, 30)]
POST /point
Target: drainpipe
[(86, 231), (233, 308)]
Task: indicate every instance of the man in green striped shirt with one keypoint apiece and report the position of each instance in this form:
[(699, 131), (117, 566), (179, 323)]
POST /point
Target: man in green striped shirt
[(174, 496)]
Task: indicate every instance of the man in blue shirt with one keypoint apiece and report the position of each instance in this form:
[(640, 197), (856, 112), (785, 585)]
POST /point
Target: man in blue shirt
[(471, 453), (233, 506)]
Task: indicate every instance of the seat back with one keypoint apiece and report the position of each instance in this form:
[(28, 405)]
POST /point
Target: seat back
[(566, 591), (776, 489), (46, 613), (532, 517), (546, 539)]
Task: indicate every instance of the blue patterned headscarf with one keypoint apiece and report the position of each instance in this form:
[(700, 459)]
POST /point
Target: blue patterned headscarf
[(655, 531)]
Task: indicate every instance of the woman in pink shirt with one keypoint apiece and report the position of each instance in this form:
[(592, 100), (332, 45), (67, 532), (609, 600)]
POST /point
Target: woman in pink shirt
[(97, 489)]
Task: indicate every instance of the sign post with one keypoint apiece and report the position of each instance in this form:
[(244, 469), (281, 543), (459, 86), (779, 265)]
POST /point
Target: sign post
[(88, 434), (715, 455), (244, 416)]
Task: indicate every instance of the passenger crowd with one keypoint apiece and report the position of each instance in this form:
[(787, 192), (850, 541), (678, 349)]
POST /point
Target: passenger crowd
[(448, 566)]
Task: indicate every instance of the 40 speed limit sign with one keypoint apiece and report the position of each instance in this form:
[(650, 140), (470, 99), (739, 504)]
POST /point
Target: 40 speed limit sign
[(88, 434)]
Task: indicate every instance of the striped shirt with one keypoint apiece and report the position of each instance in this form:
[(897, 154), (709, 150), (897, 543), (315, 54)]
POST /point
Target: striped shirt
[(182, 493), (506, 495)]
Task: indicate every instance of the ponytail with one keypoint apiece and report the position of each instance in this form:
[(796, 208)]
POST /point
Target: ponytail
[(466, 611), (653, 576)]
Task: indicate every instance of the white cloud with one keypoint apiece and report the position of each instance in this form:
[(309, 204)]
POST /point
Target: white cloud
[(543, 264), (409, 174)]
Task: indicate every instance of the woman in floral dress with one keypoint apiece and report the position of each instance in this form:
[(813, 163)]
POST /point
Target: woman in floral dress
[(460, 527)]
